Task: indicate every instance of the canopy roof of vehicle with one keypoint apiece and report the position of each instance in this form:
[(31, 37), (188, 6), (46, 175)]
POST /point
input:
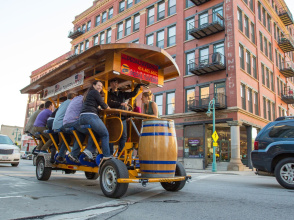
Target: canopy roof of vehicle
[(104, 62)]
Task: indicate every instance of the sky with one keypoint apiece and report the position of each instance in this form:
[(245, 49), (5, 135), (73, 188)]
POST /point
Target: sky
[(33, 33)]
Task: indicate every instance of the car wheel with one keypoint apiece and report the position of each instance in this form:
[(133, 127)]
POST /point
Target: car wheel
[(14, 164), (42, 172), (284, 172), (177, 185), (112, 170), (91, 175)]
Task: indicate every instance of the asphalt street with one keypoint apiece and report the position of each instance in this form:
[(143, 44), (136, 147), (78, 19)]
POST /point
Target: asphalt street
[(221, 195)]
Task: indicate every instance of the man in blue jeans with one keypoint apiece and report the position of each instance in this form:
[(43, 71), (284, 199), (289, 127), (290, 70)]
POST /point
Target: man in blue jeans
[(117, 99)]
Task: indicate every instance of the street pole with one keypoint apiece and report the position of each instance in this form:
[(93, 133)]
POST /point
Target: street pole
[(214, 169)]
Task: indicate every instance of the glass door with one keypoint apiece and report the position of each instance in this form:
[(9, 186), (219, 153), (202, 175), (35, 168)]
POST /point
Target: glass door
[(219, 49), (204, 96), (203, 20), (220, 93)]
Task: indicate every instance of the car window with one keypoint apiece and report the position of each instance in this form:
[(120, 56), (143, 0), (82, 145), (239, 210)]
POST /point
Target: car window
[(282, 130), (5, 140)]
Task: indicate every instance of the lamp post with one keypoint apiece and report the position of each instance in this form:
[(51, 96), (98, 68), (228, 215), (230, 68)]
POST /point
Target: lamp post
[(208, 113)]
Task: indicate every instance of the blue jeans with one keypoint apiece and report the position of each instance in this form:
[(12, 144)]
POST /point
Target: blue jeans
[(123, 139), (99, 130), (80, 133)]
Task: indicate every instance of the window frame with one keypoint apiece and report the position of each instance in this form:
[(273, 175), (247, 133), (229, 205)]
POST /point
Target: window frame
[(167, 104), (169, 37)]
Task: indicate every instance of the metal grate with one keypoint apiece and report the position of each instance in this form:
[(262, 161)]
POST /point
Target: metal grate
[(8, 151)]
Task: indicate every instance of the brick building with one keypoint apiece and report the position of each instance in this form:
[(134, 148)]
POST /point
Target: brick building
[(238, 52)]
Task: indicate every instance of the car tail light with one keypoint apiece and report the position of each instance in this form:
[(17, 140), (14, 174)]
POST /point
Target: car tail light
[(255, 145)]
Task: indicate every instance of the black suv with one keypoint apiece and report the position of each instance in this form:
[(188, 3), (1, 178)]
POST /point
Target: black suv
[(274, 151)]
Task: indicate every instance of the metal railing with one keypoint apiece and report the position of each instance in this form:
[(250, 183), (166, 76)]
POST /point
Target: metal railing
[(75, 31), (286, 39), (207, 60), (201, 102), (285, 10), (204, 22), (288, 92), (287, 65)]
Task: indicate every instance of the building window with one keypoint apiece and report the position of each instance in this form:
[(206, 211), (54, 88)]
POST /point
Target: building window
[(264, 17), (121, 6), (86, 45), (278, 84), (160, 39), (259, 11), (129, 3), (150, 16), (249, 97), (269, 113), (256, 103), (264, 107), (150, 40), (110, 13), (170, 103), (102, 38), (81, 47), (261, 41), (108, 39), (274, 111), (246, 26), (190, 58), (265, 47), (267, 78), (76, 50), (136, 22), (251, 4), (243, 96), (97, 20), (104, 17), (254, 67), (171, 7), (89, 26), (275, 31), (171, 36), (189, 25), (241, 55), (128, 27), (189, 4), (269, 23), (203, 56), (120, 31), (272, 82), (136, 41), (137, 1), (84, 28), (190, 96), (161, 10), (96, 40), (252, 33), (270, 51), (159, 101), (262, 74), (240, 22), (248, 62)]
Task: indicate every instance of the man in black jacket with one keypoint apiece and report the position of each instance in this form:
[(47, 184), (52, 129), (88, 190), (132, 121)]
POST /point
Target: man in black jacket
[(117, 99)]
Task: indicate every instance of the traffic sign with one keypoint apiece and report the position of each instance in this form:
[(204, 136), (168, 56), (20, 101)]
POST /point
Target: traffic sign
[(215, 144), (214, 136)]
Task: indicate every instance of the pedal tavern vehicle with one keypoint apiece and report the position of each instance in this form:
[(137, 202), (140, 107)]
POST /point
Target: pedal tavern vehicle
[(156, 144)]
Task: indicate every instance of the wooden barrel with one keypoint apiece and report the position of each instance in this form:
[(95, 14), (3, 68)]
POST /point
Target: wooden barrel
[(158, 148)]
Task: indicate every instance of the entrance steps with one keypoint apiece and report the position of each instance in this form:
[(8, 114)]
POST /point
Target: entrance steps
[(223, 166)]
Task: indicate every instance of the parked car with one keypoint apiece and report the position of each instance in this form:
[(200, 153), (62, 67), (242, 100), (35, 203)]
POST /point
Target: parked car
[(26, 155), (9, 153), (273, 152)]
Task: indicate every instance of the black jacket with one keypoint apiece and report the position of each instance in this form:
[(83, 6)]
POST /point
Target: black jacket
[(92, 101), (116, 98)]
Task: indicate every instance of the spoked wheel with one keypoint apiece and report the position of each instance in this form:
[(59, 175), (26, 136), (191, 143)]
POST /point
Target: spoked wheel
[(42, 172), (112, 170), (284, 173), (91, 175), (177, 185)]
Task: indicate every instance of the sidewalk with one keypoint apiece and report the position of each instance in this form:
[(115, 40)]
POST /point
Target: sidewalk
[(241, 173)]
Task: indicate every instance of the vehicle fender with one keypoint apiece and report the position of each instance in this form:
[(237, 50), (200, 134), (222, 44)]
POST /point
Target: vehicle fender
[(46, 157), (280, 147)]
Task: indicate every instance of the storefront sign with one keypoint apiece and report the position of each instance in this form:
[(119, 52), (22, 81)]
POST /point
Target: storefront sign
[(139, 69), (69, 83), (193, 142)]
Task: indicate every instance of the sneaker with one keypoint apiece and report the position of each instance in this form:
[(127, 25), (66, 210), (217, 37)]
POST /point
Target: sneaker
[(73, 159), (88, 154), (107, 158), (60, 159), (43, 151)]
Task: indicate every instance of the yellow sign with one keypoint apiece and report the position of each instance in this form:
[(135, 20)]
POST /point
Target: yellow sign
[(214, 136), (215, 144)]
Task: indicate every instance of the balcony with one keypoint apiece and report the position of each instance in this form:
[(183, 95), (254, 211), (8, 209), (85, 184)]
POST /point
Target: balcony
[(286, 16), (208, 25), (199, 2), (287, 69), (200, 103), (287, 95), (73, 34), (207, 64), (286, 43)]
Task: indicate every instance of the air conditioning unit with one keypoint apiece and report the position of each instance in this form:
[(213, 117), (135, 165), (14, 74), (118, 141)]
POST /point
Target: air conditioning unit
[(216, 58)]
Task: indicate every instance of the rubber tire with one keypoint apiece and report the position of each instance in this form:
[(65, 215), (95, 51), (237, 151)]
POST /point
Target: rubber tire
[(277, 172), (120, 170), (177, 185), (45, 175), (14, 164), (34, 160), (91, 175)]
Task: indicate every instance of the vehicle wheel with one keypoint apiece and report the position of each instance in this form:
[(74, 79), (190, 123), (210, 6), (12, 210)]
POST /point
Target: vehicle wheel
[(112, 170), (14, 164), (91, 176), (284, 172), (34, 160), (177, 185), (42, 172)]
